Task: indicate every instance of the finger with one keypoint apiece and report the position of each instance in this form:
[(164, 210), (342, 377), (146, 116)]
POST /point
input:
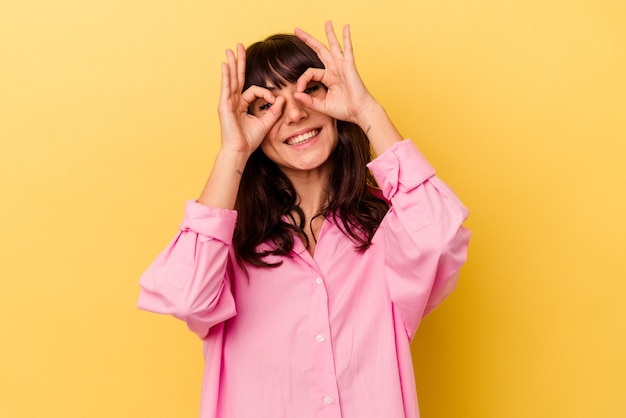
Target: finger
[(347, 43), (232, 70), (333, 43), (255, 92), (270, 117), (311, 102), (320, 49), (225, 87), (241, 65), (311, 74)]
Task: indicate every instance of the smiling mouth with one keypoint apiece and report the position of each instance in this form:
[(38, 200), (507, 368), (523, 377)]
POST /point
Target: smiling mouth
[(303, 138)]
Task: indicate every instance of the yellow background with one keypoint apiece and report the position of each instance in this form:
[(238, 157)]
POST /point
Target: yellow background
[(108, 123)]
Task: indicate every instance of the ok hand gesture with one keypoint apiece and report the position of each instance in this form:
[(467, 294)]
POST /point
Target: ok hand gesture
[(347, 97), (241, 131)]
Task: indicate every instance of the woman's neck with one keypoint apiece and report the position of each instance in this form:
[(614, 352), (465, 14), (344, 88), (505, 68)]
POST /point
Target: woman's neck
[(312, 191)]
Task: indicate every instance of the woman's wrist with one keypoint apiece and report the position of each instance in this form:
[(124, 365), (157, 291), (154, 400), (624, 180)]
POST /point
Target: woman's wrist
[(370, 109), (379, 129), (233, 156), (223, 184)]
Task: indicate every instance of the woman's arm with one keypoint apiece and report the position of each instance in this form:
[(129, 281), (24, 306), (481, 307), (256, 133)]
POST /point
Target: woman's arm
[(425, 243), (190, 279), (241, 132)]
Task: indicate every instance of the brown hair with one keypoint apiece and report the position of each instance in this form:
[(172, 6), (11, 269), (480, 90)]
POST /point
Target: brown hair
[(266, 195)]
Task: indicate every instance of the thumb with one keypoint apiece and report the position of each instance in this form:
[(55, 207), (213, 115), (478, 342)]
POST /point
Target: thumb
[(311, 102), (274, 112)]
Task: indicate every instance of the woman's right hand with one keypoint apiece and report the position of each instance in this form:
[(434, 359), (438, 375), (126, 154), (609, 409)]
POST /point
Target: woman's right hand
[(241, 131)]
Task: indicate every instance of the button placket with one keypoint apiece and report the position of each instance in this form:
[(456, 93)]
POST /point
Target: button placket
[(323, 356)]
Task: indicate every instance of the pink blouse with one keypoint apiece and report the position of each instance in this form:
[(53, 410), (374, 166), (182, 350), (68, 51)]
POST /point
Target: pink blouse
[(320, 336)]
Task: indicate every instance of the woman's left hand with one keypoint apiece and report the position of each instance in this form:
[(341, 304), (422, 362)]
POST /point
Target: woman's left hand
[(347, 97)]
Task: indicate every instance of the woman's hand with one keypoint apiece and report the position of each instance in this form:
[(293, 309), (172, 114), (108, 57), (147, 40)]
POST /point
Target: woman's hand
[(347, 97), (241, 131)]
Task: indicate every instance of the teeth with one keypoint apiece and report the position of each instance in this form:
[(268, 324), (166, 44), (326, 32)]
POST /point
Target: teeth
[(300, 139)]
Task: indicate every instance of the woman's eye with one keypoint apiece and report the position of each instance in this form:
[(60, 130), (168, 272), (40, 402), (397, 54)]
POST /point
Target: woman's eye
[(264, 107), (312, 89)]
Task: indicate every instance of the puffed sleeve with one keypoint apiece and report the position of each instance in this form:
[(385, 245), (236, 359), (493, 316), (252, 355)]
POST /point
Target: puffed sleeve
[(190, 278), (425, 242)]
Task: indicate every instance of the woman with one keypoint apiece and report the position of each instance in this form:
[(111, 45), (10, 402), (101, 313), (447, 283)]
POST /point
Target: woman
[(304, 280)]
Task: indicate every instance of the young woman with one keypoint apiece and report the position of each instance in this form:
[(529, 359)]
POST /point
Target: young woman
[(305, 275)]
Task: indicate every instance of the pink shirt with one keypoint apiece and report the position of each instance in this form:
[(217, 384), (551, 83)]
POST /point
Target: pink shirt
[(321, 336)]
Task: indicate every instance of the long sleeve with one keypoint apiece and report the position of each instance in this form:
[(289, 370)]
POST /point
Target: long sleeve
[(425, 242), (189, 279)]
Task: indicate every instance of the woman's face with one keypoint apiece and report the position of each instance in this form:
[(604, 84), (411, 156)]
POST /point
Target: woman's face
[(302, 139)]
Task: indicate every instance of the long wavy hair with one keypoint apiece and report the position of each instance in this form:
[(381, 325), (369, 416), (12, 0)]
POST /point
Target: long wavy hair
[(267, 203)]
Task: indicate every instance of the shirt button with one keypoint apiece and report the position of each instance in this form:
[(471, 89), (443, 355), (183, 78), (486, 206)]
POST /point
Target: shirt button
[(319, 280), (328, 400), (319, 338)]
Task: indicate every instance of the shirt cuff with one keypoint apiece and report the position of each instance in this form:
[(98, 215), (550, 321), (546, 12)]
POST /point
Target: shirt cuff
[(401, 168), (209, 222)]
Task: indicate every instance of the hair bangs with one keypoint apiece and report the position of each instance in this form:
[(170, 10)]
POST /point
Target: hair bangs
[(278, 60)]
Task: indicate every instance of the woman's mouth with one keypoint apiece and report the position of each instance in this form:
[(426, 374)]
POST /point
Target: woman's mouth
[(302, 138)]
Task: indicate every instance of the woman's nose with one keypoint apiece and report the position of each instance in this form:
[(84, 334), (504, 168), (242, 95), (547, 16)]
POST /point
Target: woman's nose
[(294, 111)]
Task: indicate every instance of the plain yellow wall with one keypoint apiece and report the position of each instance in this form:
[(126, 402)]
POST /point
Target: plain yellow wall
[(108, 123)]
